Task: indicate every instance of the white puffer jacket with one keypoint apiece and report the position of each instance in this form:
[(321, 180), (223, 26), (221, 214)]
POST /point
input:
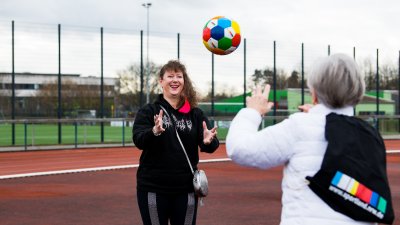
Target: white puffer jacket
[(299, 144)]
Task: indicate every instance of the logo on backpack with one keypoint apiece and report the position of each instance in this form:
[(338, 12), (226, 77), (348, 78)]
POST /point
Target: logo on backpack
[(353, 191)]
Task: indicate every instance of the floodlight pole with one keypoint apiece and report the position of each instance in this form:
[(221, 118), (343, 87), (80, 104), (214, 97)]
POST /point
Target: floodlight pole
[(147, 6)]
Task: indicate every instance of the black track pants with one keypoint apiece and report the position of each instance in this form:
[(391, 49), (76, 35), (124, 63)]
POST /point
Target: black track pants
[(158, 209)]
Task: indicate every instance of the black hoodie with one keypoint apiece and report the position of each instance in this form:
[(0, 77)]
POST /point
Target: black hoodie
[(163, 166)]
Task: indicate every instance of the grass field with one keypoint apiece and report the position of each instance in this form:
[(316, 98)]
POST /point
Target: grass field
[(47, 134), (38, 134)]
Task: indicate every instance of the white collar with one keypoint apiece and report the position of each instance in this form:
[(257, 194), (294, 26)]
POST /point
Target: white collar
[(322, 109)]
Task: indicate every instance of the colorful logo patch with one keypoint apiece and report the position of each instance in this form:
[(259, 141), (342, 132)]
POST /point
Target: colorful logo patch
[(352, 190)]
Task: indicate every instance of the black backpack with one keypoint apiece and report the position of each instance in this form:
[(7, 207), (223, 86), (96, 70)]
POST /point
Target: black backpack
[(353, 179)]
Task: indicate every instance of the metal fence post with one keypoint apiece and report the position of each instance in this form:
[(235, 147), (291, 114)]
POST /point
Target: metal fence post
[(302, 73), (13, 84), (141, 70), (33, 134), (101, 87), (274, 85), (123, 133), (377, 88), (179, 45), (76, 134), (85, 134), (398, 95), (59, 85), (244, 73), (354, 57), (212, 85), (25, 135)]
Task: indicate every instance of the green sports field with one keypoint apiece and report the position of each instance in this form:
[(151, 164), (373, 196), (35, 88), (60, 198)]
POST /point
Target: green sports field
[(47, 134)]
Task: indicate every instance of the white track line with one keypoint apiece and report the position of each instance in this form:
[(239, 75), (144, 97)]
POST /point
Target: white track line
[(392, 151), (67, 171), (56, 172), (214, 160)]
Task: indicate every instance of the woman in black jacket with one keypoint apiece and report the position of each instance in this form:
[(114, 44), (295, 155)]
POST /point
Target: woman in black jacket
[(164, 179)]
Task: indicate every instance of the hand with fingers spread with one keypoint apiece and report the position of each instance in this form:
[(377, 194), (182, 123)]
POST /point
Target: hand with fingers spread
[(158, 124), (208, 135), (259, 100)]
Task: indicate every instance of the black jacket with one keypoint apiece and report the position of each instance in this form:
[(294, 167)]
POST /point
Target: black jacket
[(163, 166)]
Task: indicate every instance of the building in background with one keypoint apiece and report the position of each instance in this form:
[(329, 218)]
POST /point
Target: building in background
[(36, 95)]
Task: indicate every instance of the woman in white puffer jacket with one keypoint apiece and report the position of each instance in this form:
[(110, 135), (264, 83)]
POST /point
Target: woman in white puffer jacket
[(298, 143)]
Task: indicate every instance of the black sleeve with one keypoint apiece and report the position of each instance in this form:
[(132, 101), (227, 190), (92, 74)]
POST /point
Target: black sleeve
[(142, 133), (214, 143)]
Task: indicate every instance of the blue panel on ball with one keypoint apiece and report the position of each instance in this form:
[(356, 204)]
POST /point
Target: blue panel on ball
[(224, 22), (217, 32)]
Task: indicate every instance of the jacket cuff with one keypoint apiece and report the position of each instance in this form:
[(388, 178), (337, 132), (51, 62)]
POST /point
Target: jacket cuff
[(250, 114)]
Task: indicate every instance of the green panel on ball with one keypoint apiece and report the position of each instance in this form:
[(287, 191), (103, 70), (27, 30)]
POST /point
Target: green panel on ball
[(224, 43)]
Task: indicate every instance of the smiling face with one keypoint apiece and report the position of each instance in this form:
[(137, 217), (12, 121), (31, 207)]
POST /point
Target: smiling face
[(172, 83)]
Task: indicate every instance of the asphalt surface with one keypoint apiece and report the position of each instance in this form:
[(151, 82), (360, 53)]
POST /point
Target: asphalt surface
[(238, 195)]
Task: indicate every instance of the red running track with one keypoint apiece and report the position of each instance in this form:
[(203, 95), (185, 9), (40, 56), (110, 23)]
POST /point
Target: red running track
[(238, 195)]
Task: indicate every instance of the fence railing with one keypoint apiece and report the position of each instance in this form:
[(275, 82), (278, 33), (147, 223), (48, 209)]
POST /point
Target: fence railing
[(40, 134), (29, 50), (34, 134)]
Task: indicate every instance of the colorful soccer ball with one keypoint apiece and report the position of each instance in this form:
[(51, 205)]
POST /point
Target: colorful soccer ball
[(221, 35)]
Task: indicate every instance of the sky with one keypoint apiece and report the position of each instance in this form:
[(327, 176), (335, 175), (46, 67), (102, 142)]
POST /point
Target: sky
[(343, 24)]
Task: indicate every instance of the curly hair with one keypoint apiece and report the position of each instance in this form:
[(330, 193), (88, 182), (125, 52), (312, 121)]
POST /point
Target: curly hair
[(188, 91)]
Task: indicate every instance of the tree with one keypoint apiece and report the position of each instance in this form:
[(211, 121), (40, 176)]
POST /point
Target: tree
[(266, 76), (262, 77), (294, 80), (369, 74), (389, 76), (128, 87), (74, 97)]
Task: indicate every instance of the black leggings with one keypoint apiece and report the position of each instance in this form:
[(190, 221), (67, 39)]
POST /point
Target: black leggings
[(158, 209)]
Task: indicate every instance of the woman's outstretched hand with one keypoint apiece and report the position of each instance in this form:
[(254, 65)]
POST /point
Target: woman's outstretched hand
[(158, 123), (208, 135), (259, 100)]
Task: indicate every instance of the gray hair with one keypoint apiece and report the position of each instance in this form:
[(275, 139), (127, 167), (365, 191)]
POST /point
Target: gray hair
[(337, 81)]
